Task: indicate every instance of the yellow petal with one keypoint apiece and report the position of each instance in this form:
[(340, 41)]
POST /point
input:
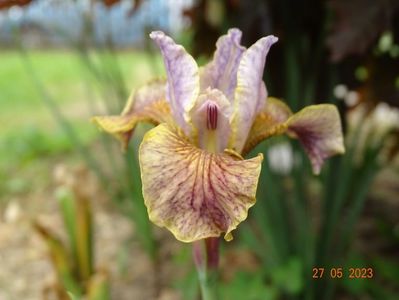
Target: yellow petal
[(147, 104), (194, 193), (268, 123)]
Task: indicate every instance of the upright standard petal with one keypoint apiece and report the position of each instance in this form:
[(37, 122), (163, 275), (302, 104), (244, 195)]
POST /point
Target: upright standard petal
[(211, 119), (318, 128), (192, 192), (183, 78), (147, 104), (221, 72), (248, 91), (261, 103)]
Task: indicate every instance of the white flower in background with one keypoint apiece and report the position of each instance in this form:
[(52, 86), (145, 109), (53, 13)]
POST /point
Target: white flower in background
[(341, 92), (385, 119), (281, 158), (351, 98), (371, 129)]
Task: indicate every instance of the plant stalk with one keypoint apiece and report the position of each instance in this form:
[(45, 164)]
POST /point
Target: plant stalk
[(206, 259)]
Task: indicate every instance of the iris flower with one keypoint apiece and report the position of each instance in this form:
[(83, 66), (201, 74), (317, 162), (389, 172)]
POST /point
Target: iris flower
[(195, 180)]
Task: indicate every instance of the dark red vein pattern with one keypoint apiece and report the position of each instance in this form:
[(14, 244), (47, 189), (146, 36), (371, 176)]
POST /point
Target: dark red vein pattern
[(194, 193)]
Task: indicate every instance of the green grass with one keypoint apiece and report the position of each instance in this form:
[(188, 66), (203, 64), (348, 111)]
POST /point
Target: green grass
[(29, 133), (64, 77)]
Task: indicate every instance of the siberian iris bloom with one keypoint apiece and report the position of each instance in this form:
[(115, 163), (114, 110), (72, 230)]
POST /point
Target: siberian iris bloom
[(195, 180)]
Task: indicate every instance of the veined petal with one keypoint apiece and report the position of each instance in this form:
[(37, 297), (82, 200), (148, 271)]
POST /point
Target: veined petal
[(192, 192), (318, 128), (270, 122), (221, 72), (248, 90), (217, 136), (183, 78), (147, 104)]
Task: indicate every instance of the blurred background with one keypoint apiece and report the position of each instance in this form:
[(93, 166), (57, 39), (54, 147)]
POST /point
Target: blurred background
[(72, 220)]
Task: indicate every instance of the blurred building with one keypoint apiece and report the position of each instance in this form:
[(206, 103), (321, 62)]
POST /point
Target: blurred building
[(56, 22)]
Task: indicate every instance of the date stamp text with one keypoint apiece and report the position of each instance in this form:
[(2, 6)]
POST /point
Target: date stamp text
[(339, 272)]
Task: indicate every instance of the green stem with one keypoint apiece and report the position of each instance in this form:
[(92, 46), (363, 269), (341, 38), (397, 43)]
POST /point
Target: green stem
[(366, 177), (208, 285), (206, 259), (271, 213)]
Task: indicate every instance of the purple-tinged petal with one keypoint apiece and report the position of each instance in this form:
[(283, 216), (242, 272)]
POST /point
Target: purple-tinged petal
[(194, 193), (147, 104), (318, 128), (183, 78), (221, 72), (211, 119), (248, 90)]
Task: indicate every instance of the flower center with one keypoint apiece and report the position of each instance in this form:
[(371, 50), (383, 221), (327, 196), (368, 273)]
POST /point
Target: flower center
[(212, 116)]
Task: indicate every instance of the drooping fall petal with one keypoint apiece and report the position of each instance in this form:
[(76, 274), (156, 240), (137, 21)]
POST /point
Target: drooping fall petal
[(183, 78), (221, 72), (147, 104), (318, 128), (248, 91), (192, 192)]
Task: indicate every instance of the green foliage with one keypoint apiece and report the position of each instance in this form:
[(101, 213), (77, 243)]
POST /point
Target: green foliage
[(29, 143), (248, 286), (98, 77), (289, 276), (74, 260)]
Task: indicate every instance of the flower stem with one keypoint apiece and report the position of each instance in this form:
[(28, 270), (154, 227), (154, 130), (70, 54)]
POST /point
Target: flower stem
[(208, 285), (206, 259)]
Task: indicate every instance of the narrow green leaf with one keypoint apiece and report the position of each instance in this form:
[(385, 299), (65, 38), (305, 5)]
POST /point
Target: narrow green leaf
[(99, 288), (61, 260)]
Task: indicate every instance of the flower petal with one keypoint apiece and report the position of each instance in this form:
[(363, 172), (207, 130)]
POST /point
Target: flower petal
[(147, 104), (270, 122), (192, 192), (249, 90), (221, 72), (183, 78), (260, 106), (199, 114), (318, 128)]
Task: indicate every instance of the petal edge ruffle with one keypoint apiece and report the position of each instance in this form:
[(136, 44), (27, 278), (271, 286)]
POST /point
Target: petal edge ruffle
[(194, 193)]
